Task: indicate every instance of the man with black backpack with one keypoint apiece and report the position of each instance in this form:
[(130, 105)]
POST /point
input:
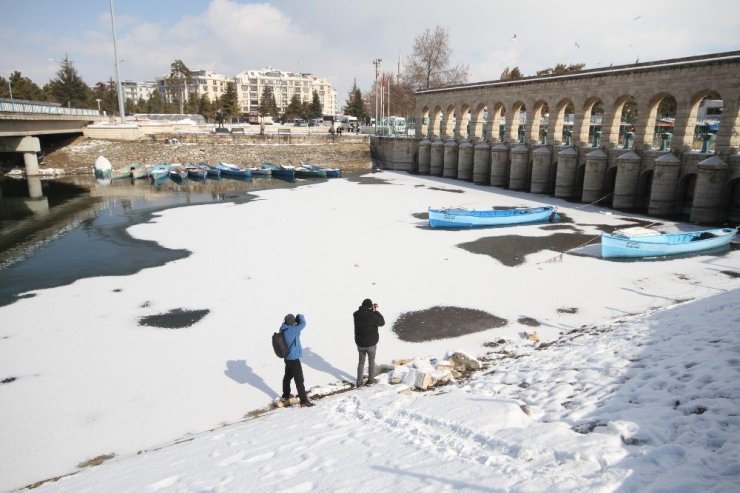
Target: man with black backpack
[(291, 331)]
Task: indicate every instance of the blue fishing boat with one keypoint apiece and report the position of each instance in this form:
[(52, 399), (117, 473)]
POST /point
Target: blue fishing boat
[(280, 171), (330, 172), (211, 171), (160, 171), (229, 170), (103, 169), (643, 242), (465, 218), (178, 173), (260, 172), (302, 172)]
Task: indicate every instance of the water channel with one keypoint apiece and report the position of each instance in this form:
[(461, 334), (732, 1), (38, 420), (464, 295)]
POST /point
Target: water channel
[(53, 232)]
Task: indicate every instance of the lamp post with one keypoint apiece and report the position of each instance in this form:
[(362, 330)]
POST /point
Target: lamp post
[(121, 108), (98, 101), (376, 62)]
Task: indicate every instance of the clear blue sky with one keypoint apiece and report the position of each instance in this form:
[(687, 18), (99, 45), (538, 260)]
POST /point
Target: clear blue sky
[(338, 39)]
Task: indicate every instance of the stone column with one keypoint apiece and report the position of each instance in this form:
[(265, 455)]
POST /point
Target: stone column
[(666, 174), (482, 163), (541, 167), (450, 159), (465, 161), (32, 163), (425, 156), (710, 184), (594, 176), (518, 176), (499, 165), (628, 176), (565, 181), (436, 162)]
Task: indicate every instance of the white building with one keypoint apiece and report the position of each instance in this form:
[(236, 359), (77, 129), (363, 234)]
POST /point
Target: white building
[(251, 83), (201, 82), (138, 90)]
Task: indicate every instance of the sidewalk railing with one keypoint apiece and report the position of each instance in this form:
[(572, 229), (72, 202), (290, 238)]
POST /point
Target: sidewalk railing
[(44, 109)]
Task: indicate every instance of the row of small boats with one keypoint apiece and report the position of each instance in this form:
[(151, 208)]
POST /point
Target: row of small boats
[(634, 242), (201, 171)]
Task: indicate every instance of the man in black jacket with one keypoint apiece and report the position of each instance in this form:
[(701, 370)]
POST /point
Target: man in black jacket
[(367, 320)]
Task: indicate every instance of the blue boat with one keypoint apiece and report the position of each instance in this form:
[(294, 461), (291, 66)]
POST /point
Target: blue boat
[(303, 172), (642, 242), (279, 171), (103, 169), (233, 171), (329, 172), (160, 171), (210, 170), (178, 173), (464, 218)]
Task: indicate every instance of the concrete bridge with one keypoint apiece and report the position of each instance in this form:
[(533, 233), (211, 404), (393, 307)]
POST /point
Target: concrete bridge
[(518, 135), (21, 122)]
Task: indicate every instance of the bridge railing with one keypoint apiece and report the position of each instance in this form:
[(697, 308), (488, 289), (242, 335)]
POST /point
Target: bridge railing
[(41, 108)]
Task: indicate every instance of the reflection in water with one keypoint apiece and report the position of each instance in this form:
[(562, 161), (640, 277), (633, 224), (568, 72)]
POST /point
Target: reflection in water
[(81, 225)]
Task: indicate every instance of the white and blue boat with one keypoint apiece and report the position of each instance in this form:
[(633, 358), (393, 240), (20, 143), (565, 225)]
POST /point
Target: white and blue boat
[(280, 171), (211, 171), (229, 170), (329, 172), (643, 242), (160, 171), (103, 169), (466, 218)]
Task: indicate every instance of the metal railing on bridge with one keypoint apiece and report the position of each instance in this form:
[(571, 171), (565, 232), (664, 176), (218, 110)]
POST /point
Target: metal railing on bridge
[(40, 107)]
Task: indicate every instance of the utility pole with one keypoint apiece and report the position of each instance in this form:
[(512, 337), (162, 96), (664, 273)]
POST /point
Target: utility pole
[(376, 62), (119, 89)]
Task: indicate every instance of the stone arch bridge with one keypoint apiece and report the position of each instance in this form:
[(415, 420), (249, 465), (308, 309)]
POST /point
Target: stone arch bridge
[(568, 136)]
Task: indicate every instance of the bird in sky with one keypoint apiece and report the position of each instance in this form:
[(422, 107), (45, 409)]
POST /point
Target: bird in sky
[(638, 17), (513, 38), (577, 45)]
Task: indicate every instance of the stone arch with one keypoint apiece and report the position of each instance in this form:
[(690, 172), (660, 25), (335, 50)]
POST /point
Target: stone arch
[(448, 123), (517, 109), (494, 122), (661, 112), (559, 123), (701, 128), (538, 122), (435, 130), (424, 122), (478, 122), (463, 124), (625, 111), (590, 130)]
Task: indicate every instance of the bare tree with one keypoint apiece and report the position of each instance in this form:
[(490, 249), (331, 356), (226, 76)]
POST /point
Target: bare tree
[(428, 66)]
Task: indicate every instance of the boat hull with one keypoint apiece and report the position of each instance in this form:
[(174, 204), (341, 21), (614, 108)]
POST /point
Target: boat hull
[(233, 171), (280, 172), (160, 171), (661, 245), (462, 218)]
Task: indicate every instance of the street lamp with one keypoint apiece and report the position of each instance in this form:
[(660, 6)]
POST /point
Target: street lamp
[(376, 62), (98, 101), (121, 108)]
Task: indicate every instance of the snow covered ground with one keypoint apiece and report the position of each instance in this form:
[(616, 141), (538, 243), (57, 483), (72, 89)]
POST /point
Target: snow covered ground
[(633, 387)]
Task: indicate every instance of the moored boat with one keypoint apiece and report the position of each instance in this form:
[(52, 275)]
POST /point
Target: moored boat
[(465, 218), (229, 170), (260, 172), (196, 172), (280, 171), (131, 171), (304, 172), (211, 171), (642, 242), (159, 171), (103, 169), (330, 172), (178, 173)]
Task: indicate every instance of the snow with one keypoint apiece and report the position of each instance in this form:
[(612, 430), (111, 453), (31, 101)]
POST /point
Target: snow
[(636, 390)]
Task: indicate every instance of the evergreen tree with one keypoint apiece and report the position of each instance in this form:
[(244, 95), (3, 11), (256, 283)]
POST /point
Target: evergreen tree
[(355, 104), (106, 93), (155, 104), (68, 88), (205, 107), (141, 106), (22, 87), (511, 74), (193, 103), (316, 110), (180, 77), (294, 108), (229, 102), (268, 105)]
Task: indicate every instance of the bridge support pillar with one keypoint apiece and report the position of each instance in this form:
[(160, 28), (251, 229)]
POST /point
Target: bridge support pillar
[(29, 146)]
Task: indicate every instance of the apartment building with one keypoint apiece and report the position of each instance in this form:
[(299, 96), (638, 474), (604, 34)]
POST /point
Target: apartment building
[(251, 83), (134, 90), (201, 82)]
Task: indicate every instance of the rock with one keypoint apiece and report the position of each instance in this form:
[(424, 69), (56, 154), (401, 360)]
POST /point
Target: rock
[(462, 363), (402, 361)]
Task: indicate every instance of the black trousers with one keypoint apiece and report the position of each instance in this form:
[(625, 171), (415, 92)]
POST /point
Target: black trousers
[(294, 371)]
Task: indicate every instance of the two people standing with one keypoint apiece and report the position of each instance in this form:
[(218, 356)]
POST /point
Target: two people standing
[(367, 320)]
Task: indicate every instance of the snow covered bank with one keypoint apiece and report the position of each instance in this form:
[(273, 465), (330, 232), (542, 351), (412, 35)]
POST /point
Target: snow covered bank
[(90, 380)]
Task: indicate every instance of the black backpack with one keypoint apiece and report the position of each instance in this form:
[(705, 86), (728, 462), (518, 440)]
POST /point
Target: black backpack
[(279, 346)]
